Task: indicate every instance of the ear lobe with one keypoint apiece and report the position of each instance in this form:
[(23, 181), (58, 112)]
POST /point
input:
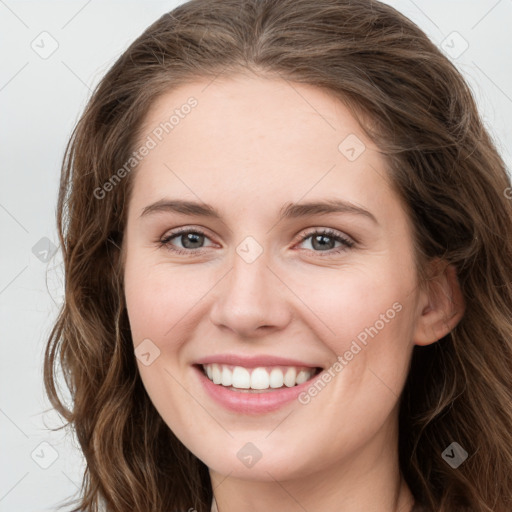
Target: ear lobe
[(443, 305)]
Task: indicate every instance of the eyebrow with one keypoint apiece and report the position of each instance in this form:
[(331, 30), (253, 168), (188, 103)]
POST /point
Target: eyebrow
[(288, 211)]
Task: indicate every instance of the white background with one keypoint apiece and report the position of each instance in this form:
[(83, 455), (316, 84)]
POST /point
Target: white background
[(41, 100)]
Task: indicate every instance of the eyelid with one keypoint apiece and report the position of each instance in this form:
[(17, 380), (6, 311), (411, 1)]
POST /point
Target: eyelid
[(185, 229), (327, 232), (347, 243), (165, 239)]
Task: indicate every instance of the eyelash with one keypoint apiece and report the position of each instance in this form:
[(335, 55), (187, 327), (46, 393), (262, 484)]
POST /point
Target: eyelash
[(346, 243)]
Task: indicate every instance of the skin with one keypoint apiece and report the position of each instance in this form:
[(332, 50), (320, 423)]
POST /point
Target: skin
[(248, 159)]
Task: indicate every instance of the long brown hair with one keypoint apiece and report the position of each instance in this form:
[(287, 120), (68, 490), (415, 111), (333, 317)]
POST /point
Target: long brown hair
[(416, 106)]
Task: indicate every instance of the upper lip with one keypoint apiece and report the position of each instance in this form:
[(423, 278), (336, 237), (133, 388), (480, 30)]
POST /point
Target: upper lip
[(253, 361)]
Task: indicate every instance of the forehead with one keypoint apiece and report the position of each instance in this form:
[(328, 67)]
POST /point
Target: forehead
[(250, 110), (253, 140)]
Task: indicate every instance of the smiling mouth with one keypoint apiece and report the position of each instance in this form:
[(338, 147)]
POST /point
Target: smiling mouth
[(259, 379)]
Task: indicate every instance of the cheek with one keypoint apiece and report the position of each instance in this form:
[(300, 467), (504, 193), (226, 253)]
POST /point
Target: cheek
[(367, 323), (160, 303), (160, 297), (358, 303)]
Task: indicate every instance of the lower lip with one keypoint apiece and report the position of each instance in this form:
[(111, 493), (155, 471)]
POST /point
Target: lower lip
[(252, 403)]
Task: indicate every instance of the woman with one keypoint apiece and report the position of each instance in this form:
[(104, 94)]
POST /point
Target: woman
[(288, 251)]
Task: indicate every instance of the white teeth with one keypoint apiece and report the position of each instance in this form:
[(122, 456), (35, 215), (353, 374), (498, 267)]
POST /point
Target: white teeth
[(302, 376), (216, 374), (257, 378), (241, 377), (227, 377), (260, 379), (276, 378), (289, 377)]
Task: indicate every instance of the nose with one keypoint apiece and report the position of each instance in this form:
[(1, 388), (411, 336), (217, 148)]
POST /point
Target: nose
[(251, 300)]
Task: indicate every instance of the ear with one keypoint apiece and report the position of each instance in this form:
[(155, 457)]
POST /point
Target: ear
[(441, 304)]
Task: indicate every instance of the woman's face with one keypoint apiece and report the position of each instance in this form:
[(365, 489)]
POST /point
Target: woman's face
[(250, 280)]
